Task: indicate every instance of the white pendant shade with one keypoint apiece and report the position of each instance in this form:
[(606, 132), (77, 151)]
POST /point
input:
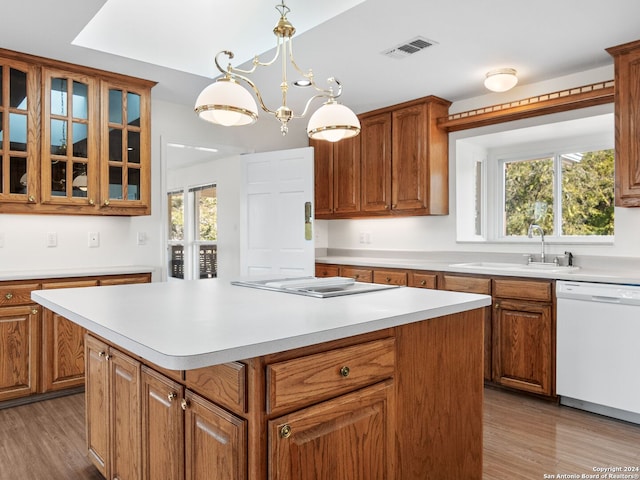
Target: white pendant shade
[(333, 122), (501, 80), (225, 102)]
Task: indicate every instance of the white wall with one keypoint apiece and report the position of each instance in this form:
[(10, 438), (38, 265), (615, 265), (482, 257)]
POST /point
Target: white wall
[(439, 233)]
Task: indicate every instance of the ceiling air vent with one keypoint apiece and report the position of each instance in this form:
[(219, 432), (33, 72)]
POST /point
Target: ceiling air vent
[(409, 47)]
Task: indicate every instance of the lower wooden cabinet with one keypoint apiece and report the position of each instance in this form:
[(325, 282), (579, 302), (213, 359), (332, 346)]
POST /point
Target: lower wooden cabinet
[(19, 340), (113, 411), (310, 443)]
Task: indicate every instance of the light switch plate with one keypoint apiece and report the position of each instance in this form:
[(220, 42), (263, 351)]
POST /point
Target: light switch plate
[(52, 239)]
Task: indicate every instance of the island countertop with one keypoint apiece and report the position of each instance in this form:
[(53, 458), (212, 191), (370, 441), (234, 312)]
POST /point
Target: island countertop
[(192, 324)]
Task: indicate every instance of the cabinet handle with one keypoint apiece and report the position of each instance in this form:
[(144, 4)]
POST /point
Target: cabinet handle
[(172, 396), (423, 283), (496, 305), (9, 296), (356, 276), (184, 404), (344, 371), (285, 431)]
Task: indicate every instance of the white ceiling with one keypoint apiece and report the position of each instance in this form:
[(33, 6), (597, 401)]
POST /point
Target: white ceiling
[(174, 43)]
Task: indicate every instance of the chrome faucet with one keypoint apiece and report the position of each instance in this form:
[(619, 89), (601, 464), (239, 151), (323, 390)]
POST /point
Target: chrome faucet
[(533, 227)]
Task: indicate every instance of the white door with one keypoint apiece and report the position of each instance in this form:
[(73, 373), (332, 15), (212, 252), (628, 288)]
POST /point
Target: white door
[(276, 233)]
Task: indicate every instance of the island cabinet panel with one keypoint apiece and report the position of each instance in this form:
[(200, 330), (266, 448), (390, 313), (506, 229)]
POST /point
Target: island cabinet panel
[(19, 338), (313, 378), (627, 118), (62, 345), (215, 441), (348, 437), (113, 411), (162, 427), (227, 383)]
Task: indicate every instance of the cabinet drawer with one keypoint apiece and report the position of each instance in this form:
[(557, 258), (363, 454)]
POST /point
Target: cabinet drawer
[(360, 274), (456, 283), (390, 277), (306, 380), (523, 289), (17, 294), (126, 280), (423, 280), (223, 384), (323, 270)]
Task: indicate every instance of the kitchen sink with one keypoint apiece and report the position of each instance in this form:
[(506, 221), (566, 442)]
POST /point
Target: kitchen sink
[(314, 287), (517, 267)]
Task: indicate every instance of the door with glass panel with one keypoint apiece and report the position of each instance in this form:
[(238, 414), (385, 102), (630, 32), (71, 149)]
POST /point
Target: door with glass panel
[(69, 139), (125, 176), (18, 132)]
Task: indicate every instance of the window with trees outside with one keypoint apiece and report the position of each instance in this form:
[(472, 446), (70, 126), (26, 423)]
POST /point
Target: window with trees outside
[(567, 194), (193, 233), (557, 173)]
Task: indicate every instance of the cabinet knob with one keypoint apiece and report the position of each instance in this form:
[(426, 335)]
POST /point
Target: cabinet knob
[(172, 396), (356, 276), (184, 404), (344, 371), (91, 202), (9, 296), (32, 198), (101, 354), (107, 203), (285, 431), (423, 283), (496, 305), (388, 279), (34, 311)]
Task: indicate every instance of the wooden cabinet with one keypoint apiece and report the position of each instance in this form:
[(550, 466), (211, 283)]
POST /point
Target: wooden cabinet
[(375, 140), (76, 139), (398, 165), (337, 177), (19, 167), (627, 118), (420, 279), (323, 270), (62, 345), (113, 411), (359, 274), (310, 443), (523, 339), (481, 285), (420, 179), (390, 277), (19, 331)]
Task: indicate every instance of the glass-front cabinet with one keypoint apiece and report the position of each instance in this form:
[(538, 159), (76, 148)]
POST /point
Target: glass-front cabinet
[(125, 177), (18, 132), (69, 140), (73, 139)]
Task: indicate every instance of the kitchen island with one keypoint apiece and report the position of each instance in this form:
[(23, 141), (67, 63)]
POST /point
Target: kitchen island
[(204, 379)]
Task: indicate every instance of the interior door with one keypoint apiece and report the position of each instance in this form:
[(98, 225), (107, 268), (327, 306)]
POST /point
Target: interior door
[(276, 233)]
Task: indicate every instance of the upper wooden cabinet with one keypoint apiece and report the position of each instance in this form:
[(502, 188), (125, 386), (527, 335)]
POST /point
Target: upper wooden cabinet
[(627, 107), (73, 140), (398, 165)]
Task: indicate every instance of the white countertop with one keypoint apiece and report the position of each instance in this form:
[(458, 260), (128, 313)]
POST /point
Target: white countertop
[(192, 324), (73, 272), (614, 272)]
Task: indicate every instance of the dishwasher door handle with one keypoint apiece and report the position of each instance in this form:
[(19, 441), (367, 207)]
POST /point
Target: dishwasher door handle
[(601, 298)]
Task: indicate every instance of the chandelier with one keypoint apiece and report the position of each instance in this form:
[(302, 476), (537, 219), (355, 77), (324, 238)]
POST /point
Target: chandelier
[(226, 102)]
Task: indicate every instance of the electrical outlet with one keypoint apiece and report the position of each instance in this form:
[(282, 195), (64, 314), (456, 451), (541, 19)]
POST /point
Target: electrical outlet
[(94, 239), (52, 239)]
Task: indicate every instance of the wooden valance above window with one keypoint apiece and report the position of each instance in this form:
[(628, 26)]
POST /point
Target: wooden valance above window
[(561, 101)]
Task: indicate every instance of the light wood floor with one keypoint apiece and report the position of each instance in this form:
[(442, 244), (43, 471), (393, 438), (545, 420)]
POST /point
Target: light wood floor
[(524, 438)]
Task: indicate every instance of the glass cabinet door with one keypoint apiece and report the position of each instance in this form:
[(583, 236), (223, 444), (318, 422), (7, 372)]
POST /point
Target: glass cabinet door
[(69, 141), (18, 133), (125, 179)]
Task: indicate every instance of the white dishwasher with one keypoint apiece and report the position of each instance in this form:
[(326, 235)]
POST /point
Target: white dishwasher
[(598, 348)]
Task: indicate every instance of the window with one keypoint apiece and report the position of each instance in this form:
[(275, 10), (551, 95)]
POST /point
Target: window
[(558, 175), (567, 194), (193, 233)]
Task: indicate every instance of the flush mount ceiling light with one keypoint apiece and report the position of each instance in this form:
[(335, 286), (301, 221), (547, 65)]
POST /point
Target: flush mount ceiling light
[(226, 102), (501, 80)]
